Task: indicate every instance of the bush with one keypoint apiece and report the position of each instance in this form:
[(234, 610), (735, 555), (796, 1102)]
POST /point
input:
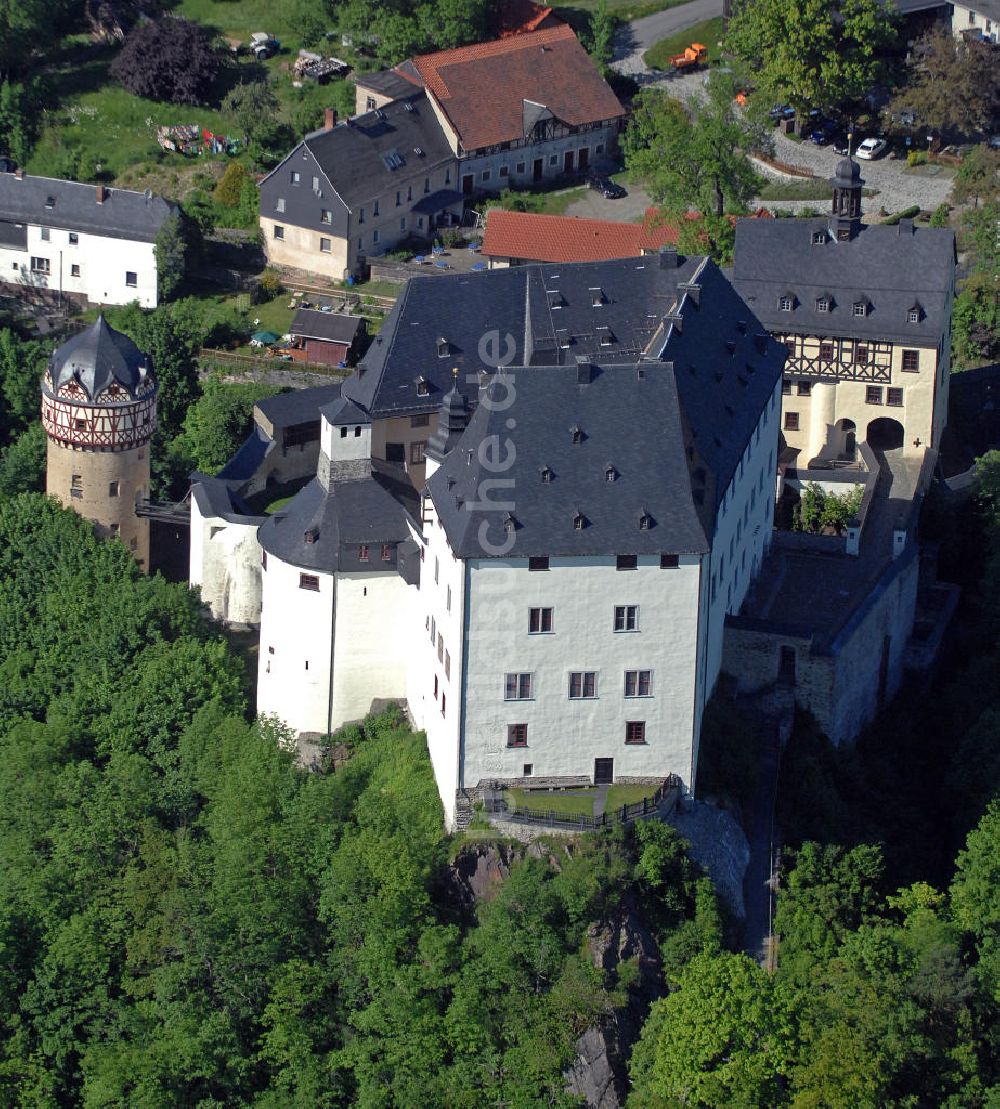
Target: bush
[(819, 509), (906, 213), (939, 217), (269, 285), (168, 59), (916, 158)]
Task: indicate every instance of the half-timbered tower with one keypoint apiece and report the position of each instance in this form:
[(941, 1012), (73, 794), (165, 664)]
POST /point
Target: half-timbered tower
[(99, 412)]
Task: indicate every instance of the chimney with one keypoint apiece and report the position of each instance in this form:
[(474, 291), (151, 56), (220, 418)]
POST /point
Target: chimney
[(905, 227), (19, 173), (584, 370), (330, 119), (668, 257), (101, 194)]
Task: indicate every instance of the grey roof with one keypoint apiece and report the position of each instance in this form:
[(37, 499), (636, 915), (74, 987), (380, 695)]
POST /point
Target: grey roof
[(893, 267), (372, 510), (353, 155), (334, 327), (529, 315), (343, 411), (99, 357), (300, 406), (388, 82), (672, 429), (13, 235), (216, 497), (51, 202), (245, 462)]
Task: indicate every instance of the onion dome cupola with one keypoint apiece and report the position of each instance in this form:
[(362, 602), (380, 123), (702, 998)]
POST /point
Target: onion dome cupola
[(845, 211), (452, 418), (99, 391)]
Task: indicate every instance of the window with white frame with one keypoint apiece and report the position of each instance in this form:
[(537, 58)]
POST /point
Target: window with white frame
[(517, 687), (582, 685), (626, 618), (638, 683)]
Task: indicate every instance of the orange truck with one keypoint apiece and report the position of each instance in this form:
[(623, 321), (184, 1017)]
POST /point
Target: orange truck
[(694, 55)]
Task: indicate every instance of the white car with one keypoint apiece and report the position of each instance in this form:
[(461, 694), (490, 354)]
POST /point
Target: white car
[(871, 148)]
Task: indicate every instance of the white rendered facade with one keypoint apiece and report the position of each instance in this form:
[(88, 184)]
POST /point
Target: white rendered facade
[(99, 268), (225, 564)]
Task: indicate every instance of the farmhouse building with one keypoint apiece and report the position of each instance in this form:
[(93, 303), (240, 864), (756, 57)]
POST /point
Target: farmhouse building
[(87, 243)]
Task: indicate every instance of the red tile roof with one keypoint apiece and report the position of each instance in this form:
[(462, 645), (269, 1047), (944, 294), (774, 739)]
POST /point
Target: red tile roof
[(568, 239), (482, 88)]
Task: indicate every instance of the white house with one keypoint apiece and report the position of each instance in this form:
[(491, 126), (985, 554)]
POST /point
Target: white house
[(90, 243), (553, 604)]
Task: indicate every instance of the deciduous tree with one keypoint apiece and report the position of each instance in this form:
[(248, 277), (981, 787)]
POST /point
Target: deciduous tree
[(168, 59)]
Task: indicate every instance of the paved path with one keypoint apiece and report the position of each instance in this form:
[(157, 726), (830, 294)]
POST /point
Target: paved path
[(635, 38)]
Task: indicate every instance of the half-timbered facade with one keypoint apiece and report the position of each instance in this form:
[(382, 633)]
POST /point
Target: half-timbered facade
[(865, 315), (99, 414)]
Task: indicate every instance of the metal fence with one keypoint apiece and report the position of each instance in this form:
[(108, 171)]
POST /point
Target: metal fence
[(626, 814)]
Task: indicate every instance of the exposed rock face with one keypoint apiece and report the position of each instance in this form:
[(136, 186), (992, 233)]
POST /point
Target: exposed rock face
[(598, 1073), (719, 845), (478, 872)]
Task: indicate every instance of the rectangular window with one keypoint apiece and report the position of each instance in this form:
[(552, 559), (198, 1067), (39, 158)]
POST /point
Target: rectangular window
[(638, 683), (517, 687), (399, 198), (427, 184), (74, 238), (444, 701), (112, 488), (447, 665), (894, 397), (325, 246), (46, 235), (295, 177), (791, 421), (447, 176), (861, 353), (76, 486), (420, 421), (433, 631), (669, 561), (387, 552), (315, 184), (263, 564), (363, 552), (553, 159), (374, 208), (440, 647), (279, 231), (861, 309), (39, 265), (131, 279), (447, 599), (786, 387), (517, 735), (539, 621), (417, 452), (485, 175), (626, 562), (309, 581), (785, 304), (279, 204), (873, 394), (538, 562), (635, 731), (325, 216), (826, 352), (582, 685), (626, 618), (361, 215), (804, 388), (402, 223), (437, 569), (74, 270), (519, 168), (375, 236), (911, 361), (504, 171)]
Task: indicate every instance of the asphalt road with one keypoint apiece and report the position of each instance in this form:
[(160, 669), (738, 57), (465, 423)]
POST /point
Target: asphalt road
[(635, 38)]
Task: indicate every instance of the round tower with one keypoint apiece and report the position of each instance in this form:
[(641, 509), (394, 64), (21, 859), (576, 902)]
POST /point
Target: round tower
[(99, 412)]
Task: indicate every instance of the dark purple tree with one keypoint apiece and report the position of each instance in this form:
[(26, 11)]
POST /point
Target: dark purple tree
[(168, 59)]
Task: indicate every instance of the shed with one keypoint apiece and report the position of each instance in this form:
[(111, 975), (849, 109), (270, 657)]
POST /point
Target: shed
[(328, 337)]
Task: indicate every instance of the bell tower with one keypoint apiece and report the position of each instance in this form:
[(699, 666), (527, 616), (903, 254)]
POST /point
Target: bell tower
[(99, 414), (846, 208)]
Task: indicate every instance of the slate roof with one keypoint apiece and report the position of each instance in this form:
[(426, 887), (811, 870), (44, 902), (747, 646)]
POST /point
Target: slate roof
[(482, 88), (475, 313), (352, 154), (217, 497), (335, 327), (246, 461), (99, 357), (895, 268), (567, 239), (300, 406), (123, 215), (387, 82), (671, 431), (14, 235), (372, 510)]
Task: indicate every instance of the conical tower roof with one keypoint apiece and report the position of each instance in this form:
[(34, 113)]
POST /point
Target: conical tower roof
[(100, 357)]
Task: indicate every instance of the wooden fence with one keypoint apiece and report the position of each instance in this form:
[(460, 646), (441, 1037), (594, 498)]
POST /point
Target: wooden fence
[(230, 360), (668, 791)]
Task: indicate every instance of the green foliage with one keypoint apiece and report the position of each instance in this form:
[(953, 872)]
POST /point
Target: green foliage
[(168, 59), (978, 177), (812, 54), (22, 463), (819, 508), (17, 128), (229, 187), (941, 215), (22, 364), (916, 158), (253, 105), (906, 213), (975, 896), (976, 321), (218, 422), (29, 25), (171, 251), (695, 155), (600, 34)]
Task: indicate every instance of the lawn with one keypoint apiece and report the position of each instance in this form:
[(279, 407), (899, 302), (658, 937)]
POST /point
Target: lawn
[(552, 203), (709, 34), (580, 11), (577, 802), (626, 795)]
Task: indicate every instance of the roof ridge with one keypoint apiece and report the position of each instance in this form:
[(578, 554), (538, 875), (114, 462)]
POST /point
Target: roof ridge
[(495, 46)]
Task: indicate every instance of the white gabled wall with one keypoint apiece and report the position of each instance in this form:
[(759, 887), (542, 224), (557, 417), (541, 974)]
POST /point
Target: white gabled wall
[(226, 565)]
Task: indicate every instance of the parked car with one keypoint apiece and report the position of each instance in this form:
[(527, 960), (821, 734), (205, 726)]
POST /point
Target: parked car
[(871, 148), (823, 132), (606, 187), (994, 143), (780, 112)]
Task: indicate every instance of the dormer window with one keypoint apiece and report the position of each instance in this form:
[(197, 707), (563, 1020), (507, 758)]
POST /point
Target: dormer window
[(785, 303), (606, 335), (579, 521), (423, 386), (819, 238), (555, 298), (546, 476), (860, 308), (577, 433), (610, 473), (443, 348), (596, 298), (645, 521), (822, 304), (914, 314), (509, 523)]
